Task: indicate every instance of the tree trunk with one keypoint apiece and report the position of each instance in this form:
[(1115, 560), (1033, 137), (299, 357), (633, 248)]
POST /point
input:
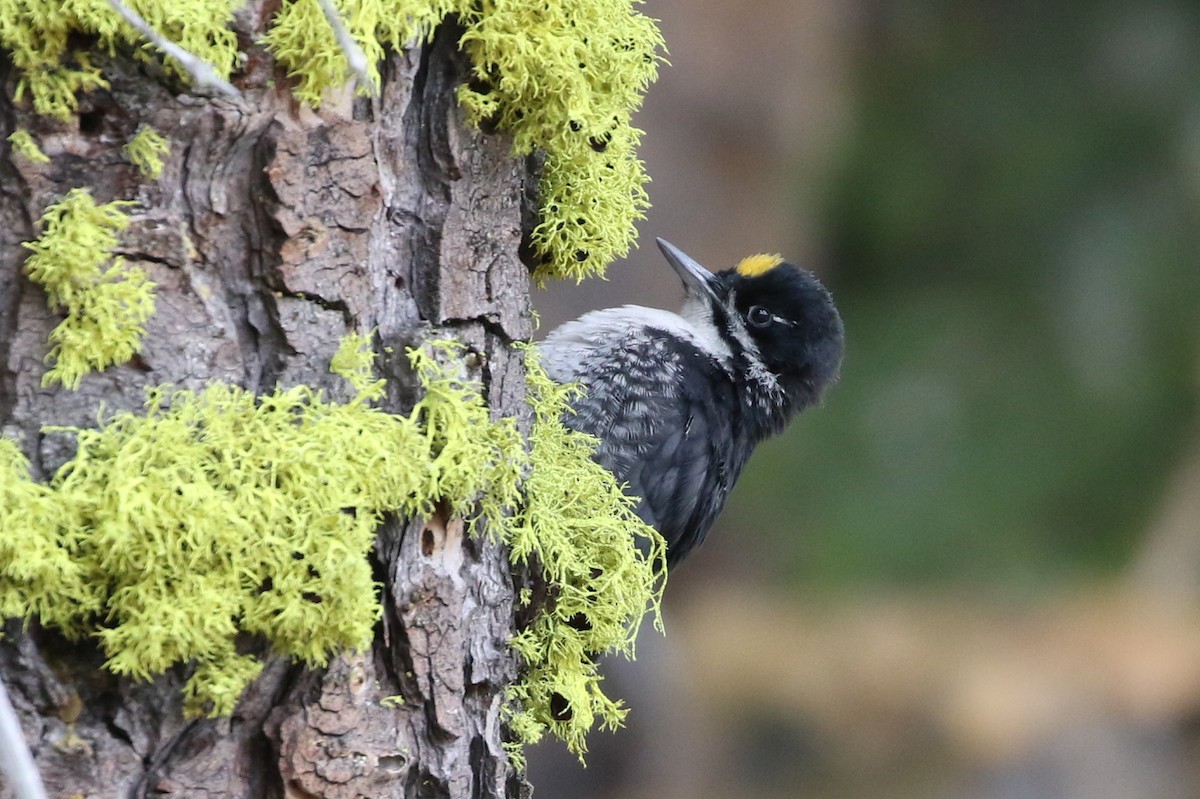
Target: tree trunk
[(274, 231)]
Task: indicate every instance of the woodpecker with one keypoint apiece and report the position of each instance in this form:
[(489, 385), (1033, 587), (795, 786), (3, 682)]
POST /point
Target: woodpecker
[(679, 401)]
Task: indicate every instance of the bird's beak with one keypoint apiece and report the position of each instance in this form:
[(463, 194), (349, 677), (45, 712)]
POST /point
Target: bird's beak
[(696, 279)]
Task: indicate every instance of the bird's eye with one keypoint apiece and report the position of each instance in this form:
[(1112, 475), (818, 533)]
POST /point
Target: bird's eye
[(759, 316)]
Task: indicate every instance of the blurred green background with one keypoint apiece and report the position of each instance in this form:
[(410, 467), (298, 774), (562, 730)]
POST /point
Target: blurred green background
[(972, 544), (1013, 238)]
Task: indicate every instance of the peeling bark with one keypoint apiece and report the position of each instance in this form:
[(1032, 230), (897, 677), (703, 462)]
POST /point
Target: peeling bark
[(274, 231)]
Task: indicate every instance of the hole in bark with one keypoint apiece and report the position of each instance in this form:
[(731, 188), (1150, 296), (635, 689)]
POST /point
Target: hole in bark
[(90, 122), (392, 762), (490, 125), (427, 542), (560, 708)]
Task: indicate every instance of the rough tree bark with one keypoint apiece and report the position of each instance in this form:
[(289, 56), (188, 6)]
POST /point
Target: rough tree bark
[(273, 231)]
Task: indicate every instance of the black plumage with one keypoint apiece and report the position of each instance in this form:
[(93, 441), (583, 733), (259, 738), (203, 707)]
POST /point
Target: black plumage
[(679, 401)]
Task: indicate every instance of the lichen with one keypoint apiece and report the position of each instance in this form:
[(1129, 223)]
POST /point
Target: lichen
[(173, 533), (36, 34), (24, 146), (602, 564), (218, 513), (566, 78), (105, 300), (354, 362), (146, 150), (302, 40), (41, 576), (563, 78)]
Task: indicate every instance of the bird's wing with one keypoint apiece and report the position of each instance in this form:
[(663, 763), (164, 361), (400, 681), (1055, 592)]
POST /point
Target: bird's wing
[(663, 412)]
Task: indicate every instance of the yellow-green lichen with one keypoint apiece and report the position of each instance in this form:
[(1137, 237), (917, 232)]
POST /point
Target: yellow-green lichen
[(354, 362), (146, 150), (561, 77), (214, 514), (566, 78), (302, 40), (24, 146), (106, 301), (603, 566), (36, 34), (41, 576), (218, 513)]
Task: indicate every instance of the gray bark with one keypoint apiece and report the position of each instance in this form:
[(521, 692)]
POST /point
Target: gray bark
[(273, 231)]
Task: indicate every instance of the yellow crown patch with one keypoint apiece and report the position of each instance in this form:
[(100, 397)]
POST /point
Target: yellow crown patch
[(760, 264)]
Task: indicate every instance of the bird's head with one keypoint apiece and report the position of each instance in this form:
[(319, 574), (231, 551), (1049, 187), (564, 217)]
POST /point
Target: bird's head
[(770, 315)]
